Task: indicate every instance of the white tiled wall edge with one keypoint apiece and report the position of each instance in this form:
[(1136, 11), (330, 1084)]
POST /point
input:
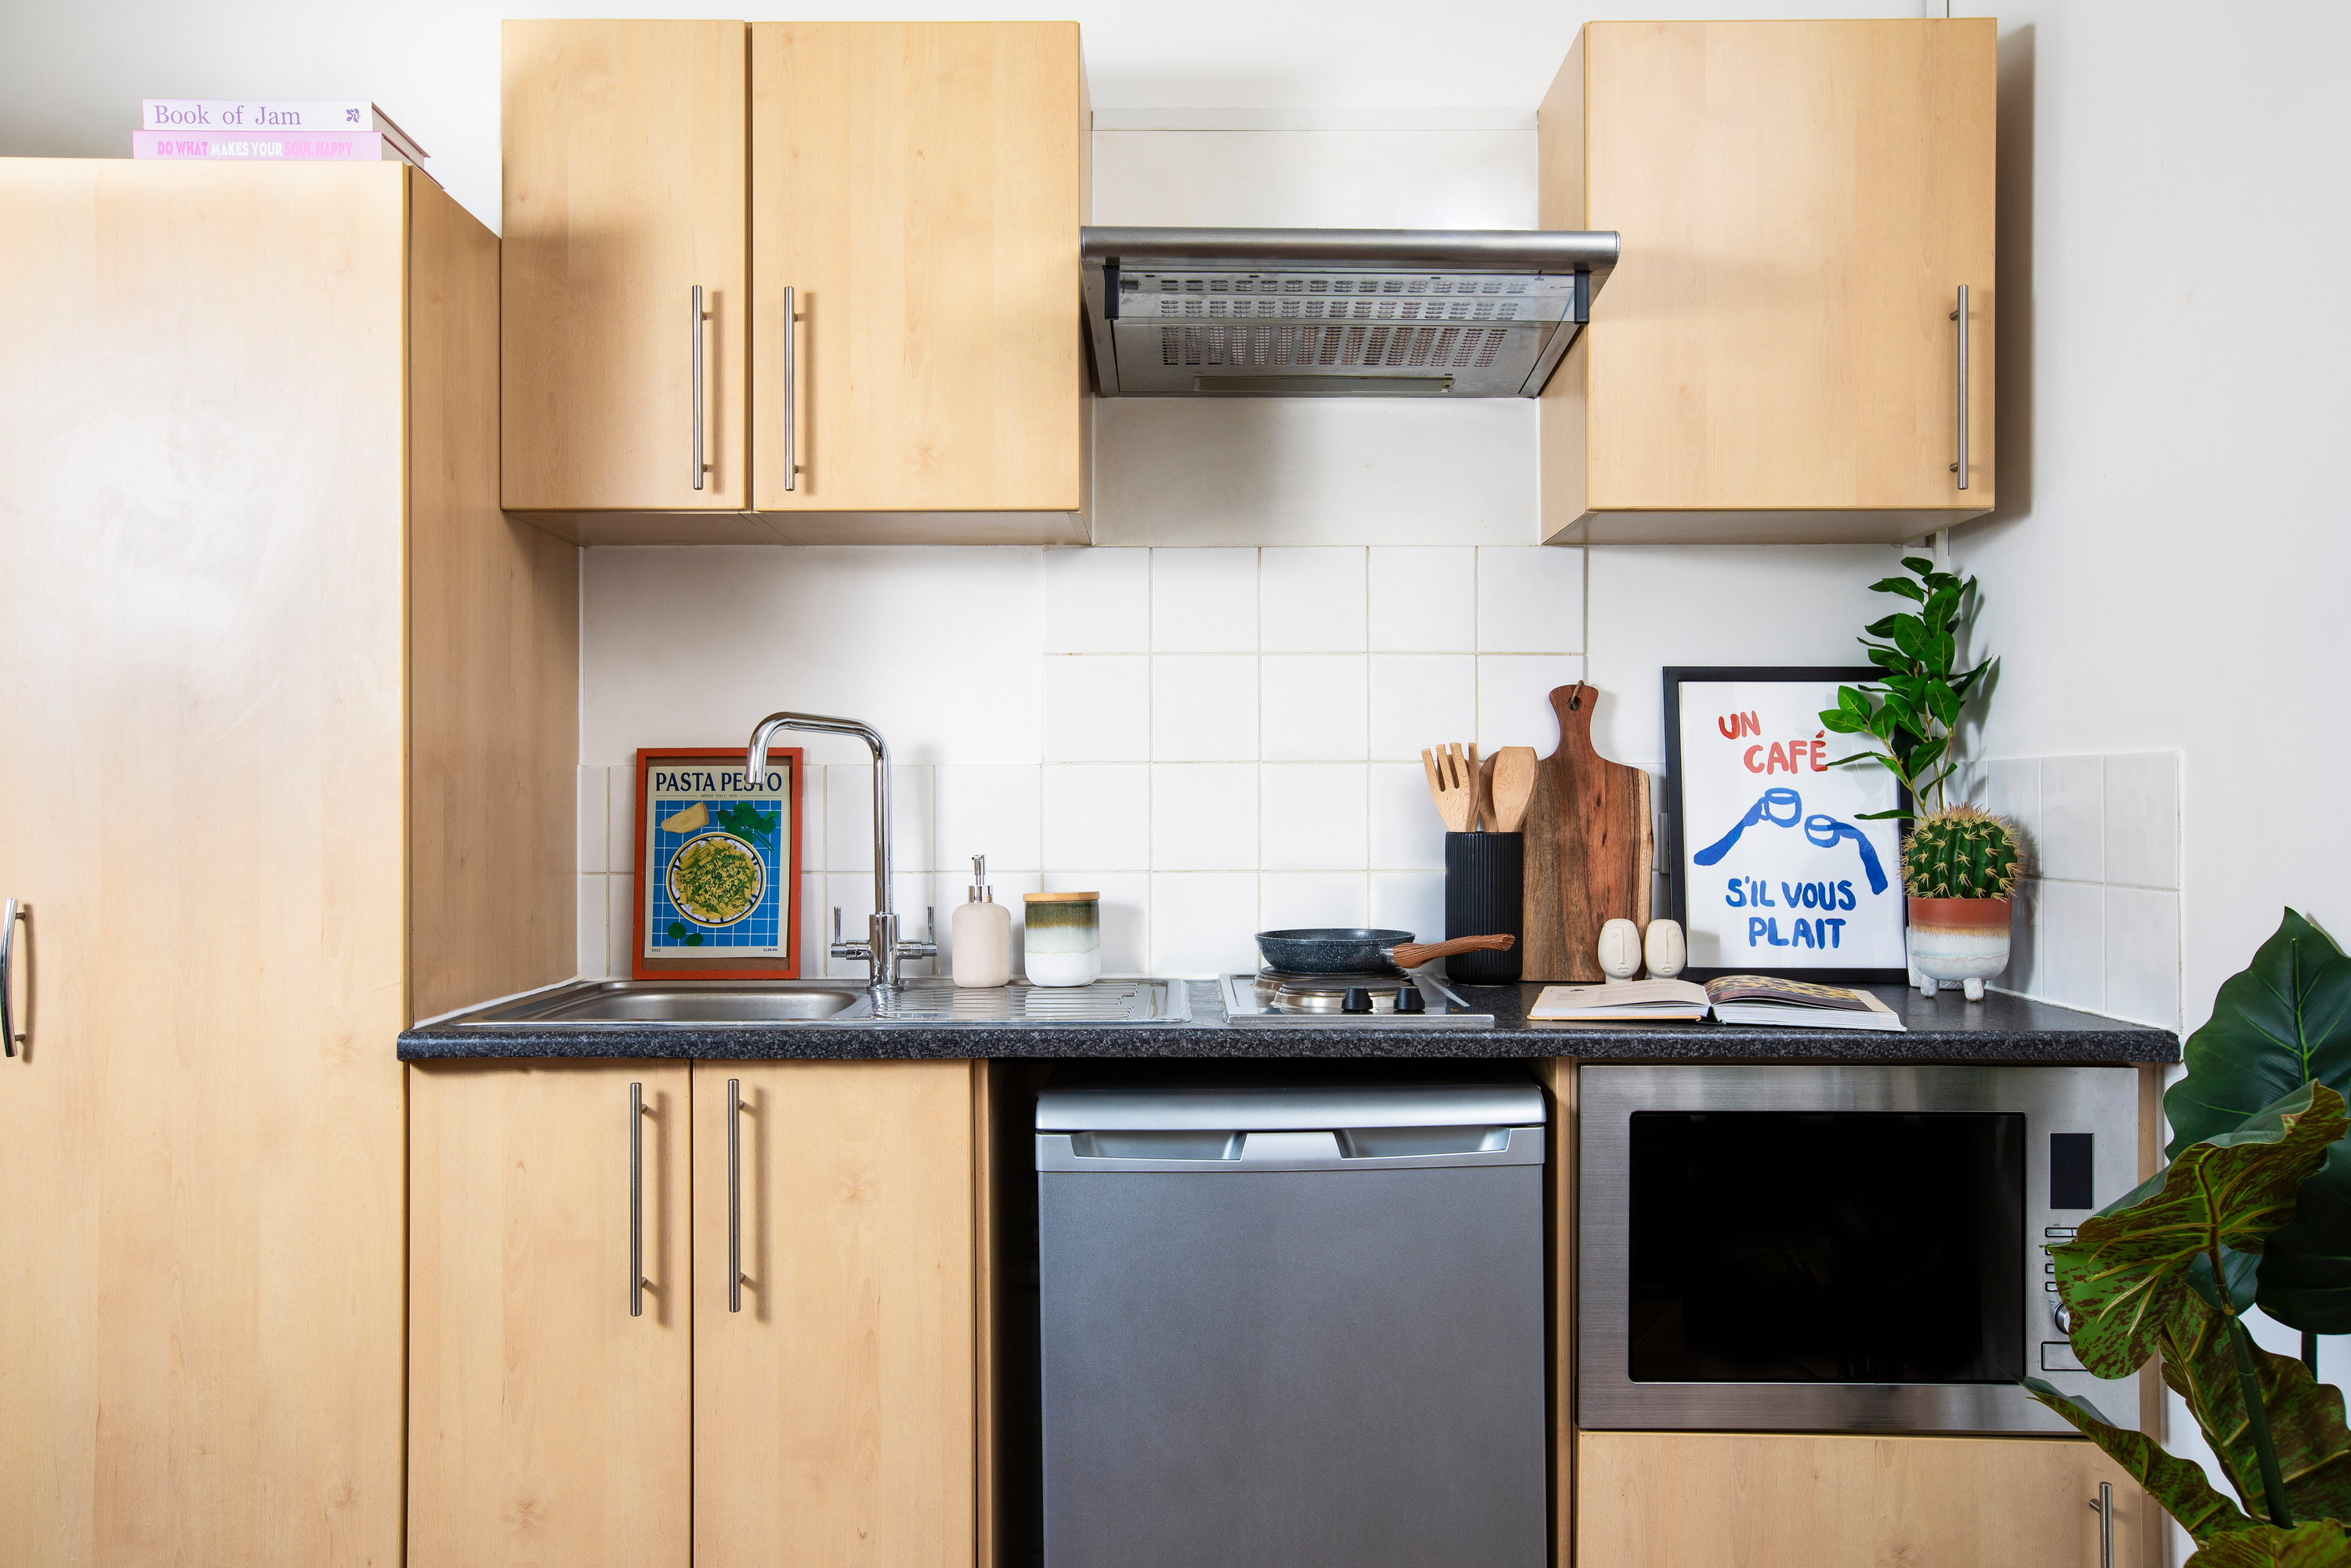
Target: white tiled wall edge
[(2097, 916), (1231, 742)]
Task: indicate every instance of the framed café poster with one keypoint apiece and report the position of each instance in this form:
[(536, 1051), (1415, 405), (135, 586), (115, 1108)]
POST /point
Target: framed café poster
[(1773, 865), (718, 865)]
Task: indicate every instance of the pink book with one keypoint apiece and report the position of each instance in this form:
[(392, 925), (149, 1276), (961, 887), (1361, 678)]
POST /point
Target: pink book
[(269, 146)]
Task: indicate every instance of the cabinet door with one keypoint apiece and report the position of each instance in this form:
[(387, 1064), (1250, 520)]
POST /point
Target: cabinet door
[(1801, 203), (625, 191), (918, 185), (1664, 1499), (833, 1395), (201, 475), (550, 1413)]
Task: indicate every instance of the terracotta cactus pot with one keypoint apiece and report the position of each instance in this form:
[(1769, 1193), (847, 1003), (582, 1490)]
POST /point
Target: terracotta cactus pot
[(1962, 939)]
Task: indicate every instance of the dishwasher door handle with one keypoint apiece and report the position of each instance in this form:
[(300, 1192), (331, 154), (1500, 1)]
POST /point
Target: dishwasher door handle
[(1318, 1149)]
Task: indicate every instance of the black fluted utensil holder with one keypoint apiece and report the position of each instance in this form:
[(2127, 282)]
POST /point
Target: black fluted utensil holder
[(1485, 892)]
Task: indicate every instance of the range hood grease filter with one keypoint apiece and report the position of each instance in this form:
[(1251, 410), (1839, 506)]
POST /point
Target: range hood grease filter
[(1336, 312)]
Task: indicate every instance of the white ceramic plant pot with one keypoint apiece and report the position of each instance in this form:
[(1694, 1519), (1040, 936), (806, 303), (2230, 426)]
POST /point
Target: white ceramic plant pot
[(1961, 939)]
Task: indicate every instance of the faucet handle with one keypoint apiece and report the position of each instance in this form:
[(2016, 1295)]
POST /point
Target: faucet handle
[(850, 950)]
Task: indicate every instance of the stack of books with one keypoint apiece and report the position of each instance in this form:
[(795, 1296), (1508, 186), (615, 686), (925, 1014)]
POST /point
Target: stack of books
[(287, 131)]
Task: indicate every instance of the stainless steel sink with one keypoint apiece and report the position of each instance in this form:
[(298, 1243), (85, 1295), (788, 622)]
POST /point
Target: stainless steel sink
[(749, 1003), (639, 1002)]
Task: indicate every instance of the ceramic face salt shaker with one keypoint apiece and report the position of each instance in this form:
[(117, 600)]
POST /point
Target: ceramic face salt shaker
[(1620, 949), (1667, 949)]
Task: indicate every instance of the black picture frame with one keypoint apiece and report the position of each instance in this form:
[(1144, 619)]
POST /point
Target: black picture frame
[(1676, 888)]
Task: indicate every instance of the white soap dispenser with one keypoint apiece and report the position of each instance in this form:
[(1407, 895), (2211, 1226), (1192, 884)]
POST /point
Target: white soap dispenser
[(981, 934)]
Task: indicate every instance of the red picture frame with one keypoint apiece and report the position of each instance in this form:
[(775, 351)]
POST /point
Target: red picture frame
[(759, 968)]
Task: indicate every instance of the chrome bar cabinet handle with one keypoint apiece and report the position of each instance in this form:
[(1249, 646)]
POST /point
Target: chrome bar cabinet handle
[(11, 912), (734, 1195), (2106, 1506), (637, 1280), (700, 315), (791, 392), (1961, 316)]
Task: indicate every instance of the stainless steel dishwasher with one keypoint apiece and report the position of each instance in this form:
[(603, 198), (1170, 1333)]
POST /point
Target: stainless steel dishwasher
[(1292, 1315)]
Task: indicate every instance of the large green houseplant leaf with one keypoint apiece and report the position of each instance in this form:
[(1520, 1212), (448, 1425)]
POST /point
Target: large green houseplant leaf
[(2282, 1022), (2175, 1483), (2304, 1416), (2129, 1268), (2318, 1545), (2305, 1270)]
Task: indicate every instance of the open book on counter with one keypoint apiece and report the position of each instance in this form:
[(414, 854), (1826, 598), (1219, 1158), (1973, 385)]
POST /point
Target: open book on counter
[(1732, 999)]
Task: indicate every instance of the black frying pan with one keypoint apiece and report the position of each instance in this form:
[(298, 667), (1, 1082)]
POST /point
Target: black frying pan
[(1338, 950)]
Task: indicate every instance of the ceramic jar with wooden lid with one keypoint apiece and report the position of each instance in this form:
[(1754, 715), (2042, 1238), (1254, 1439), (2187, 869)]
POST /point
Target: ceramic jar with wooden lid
[(1062, 945)]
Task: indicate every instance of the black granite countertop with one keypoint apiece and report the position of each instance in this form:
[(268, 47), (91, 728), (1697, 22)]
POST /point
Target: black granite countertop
[(1946, 1027)]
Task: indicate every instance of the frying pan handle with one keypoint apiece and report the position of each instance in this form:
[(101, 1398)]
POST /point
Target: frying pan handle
[(1412, 955)]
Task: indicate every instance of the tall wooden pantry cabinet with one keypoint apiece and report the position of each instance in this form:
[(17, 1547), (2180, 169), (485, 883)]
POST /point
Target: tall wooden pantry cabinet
[(290, 741)]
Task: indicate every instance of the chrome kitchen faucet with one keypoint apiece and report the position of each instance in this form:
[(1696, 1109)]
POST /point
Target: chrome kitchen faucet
[(881, 950)]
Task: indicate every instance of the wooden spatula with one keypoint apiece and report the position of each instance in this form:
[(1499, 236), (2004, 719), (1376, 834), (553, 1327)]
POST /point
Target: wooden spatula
[(1449, 785), (1510, 788)]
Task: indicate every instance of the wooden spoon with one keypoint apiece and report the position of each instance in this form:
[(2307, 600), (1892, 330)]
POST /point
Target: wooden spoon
[(1412, 955), (1478, 803), (1512, 788)]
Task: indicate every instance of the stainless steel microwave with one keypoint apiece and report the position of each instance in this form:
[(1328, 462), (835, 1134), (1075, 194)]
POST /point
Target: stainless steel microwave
[(1838, 1247)]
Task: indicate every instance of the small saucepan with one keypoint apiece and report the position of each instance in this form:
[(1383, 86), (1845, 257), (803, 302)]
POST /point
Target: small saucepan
[(1342, 951)]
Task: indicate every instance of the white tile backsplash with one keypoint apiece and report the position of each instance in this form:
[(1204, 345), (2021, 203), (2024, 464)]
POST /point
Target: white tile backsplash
[(1204, 923), (1313, 708), (1098, 815), (620, 927), (2073, 921), (1204, 601), (1308, 900), (1314, 817), (1420, 701), (2142, 979), (1530, 601), (1410, 901), (1097, 601), (1514, 699), (849, 817), (2012, 790), (988, 809), (1310, 600), (594, 959), (1098, 708), (2142, 820), (1423, 600), (2073, 814), (1204, 708), (1407, 834), (1204, 816), (621, 799)]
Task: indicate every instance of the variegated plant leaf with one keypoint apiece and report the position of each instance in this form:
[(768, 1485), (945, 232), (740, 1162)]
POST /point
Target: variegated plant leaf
[(2320, 1543), (2126, 1271), (2178, 1484), (2305, 1416)]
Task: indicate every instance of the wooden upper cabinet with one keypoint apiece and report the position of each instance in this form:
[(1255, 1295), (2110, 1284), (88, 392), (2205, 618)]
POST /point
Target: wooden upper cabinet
[(833, 1404), (918, 186), (1666, 1500), (1774, 359), (548, 1423), (624, 192)]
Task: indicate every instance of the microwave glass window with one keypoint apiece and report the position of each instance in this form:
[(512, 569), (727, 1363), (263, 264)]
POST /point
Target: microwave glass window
[(1846, 1247)]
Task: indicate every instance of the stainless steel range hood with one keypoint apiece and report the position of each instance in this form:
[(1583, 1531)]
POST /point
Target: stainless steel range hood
[(1336, 312)]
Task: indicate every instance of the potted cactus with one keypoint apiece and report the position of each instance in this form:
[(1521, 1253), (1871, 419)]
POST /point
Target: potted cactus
[(1960, 865)]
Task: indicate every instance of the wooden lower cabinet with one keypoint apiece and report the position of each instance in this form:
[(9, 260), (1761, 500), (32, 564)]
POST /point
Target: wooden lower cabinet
[(1797, 1500), (833, 1421), (823, 1415), (547, 1423)]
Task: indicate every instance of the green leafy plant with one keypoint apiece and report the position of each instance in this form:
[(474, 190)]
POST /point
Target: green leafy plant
[(2254, 1205), (1912, 712), (1960, 852)]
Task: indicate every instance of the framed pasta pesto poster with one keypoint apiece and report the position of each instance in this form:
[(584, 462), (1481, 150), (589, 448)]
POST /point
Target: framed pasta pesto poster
[(718, 865), (1779, 860)]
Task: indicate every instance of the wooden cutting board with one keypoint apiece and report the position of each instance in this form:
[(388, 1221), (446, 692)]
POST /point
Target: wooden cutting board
[(1590, 848)]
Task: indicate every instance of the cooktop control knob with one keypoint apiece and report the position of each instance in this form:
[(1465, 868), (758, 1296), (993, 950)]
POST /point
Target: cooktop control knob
[(1410, 1000), (1358, 1000)]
